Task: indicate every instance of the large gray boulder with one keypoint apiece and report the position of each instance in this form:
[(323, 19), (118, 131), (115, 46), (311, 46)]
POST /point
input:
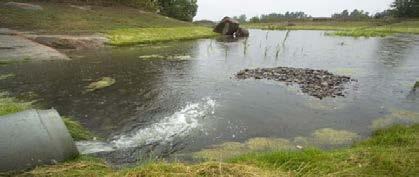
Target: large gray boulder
[(227, 26), (32, 138), (25, 6)]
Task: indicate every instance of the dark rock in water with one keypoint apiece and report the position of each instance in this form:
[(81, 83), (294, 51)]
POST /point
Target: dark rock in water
[(317, 83), (227, 26), (230, 26), (416, 86), (241, 32)]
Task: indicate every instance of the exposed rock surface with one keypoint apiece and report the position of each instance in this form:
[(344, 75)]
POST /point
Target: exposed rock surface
[(317, 83), (7, 31), (25, 6), (18, 48), (70, 42)]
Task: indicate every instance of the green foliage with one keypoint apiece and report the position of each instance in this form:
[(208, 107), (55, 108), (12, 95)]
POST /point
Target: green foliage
[(354, 15), (383, 14), (276, 17), (152, 35), (416, 86), (242, 18), (255, 19), (406, 8), (183, 10)]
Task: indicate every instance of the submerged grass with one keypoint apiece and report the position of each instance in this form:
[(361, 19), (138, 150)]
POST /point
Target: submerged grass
[(100, 84), (77, 131), (362, 33), (153, 35), (347, 28), (389, 152), (6, 76)]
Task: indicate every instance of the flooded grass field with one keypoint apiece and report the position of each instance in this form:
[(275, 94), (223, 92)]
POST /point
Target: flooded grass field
[(177, 98)]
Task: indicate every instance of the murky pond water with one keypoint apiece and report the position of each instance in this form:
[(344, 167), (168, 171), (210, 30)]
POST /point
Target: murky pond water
[(181, 97)]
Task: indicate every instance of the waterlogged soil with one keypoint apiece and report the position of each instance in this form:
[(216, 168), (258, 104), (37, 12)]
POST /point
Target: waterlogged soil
[(178, 98), (317, 83)]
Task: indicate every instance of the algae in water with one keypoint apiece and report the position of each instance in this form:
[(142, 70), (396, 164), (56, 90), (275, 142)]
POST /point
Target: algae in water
[(6, 76), (102, 83), (396, 117)]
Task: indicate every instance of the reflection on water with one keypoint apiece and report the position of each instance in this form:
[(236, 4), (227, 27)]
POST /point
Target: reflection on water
[(149, 91)]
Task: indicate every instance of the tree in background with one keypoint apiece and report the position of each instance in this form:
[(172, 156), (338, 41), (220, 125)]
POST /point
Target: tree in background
[(254, 19), (180, 9), (405, 8), (383, 14), (274, 17), (241, 18), (354, 15)]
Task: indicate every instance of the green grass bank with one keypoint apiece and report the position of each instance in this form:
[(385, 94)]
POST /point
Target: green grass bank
[(63, 18), (122, 25), (367, 28), (153, 35), (389, 152)]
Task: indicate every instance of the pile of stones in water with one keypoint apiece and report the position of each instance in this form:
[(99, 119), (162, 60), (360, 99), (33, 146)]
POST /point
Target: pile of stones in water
[(316, 83)]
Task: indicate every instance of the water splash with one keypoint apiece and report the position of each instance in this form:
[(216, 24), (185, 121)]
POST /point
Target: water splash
[(179, 124)]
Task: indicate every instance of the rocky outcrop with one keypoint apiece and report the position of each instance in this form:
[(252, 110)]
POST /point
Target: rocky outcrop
[(69, 42), (230, 26), (227, 26), (25, 6), (317, 83), (7, 31), (18, 48)]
